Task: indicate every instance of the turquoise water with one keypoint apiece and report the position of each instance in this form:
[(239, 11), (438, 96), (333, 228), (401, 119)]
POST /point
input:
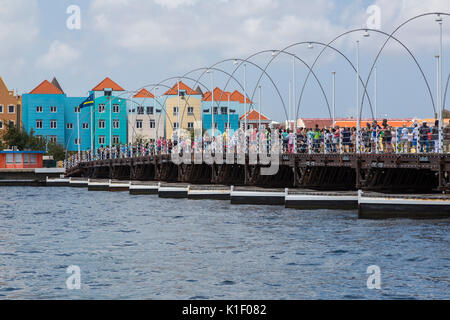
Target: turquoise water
[(144, 247)]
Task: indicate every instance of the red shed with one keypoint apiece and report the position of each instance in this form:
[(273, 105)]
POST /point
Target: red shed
[(21, 159)]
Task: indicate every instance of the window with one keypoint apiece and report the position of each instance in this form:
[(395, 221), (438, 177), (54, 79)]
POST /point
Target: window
[(77, 109), (116, 139), (1, 125), (116, 124), (70, 126), (53, 124), (101, 140), (149, 110), (53, 109), (115, 108), (39, 109), (190, 111), (138, 124), (26, 158), (11, 123), (224, 110), (152, 124), (175, 125), (140, 110), (85, 125), (32, 158), (101, 124), (18, 158), (1, 109), (9, 158), (11, 109), (175, 111), (77, 142), (39, 124), (216, 111), (190, 125), (101, 108), (53, 139)]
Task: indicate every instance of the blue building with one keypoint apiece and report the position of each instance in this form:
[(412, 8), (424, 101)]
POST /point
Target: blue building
[(44, 112), (72, 123), (109, 100), (50, 114), (228, 108)]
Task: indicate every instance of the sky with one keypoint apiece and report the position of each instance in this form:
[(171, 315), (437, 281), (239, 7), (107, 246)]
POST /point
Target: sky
[(139, 43)]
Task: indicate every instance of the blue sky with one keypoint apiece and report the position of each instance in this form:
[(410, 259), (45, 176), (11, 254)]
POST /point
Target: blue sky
[(141, 42)]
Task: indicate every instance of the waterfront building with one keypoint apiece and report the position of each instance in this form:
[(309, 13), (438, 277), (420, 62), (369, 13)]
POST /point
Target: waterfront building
[(228, 108), (253, 118), (10, 159), (146, 118), (183, 109), (10, 108), (43, 112), (77, 125), (110, 114)]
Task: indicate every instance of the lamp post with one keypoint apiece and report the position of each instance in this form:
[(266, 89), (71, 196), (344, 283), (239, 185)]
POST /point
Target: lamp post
[(78, 132), (154, 114), (245, 96), (440, 104), (92, 128), (294, 110), (358, 147), (178, 117), (334, 99), (375, 91)]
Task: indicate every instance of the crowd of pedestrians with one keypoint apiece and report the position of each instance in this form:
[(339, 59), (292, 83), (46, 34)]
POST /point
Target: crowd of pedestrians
[(374, 138)]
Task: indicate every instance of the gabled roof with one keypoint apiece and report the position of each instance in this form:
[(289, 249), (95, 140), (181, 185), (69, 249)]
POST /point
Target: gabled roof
[(46, 88), (218, 95), (144, 93), (56, 84), (253, 115), (237, 96), (183, 87), (223, 96), (108, 84)]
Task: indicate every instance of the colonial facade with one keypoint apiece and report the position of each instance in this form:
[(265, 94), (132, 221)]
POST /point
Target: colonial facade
[(227, 106), (145, 117), (110, 114), (183, 109), (43, 112), (10, 108)]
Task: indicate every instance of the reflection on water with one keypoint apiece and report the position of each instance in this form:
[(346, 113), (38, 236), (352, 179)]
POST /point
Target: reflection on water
[(143, 247)]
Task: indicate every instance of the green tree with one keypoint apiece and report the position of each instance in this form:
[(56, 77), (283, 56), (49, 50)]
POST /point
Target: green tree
[(24, 141)]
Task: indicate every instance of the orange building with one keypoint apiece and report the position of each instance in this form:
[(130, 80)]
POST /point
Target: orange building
[(10, 108), (21, 159)]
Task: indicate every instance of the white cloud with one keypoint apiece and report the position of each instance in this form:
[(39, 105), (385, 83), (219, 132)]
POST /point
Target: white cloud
[(18, 24), (229, 27), (59, 55), (173, 4)]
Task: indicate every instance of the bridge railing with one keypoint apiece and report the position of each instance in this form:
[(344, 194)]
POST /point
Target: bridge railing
[(319, 141)]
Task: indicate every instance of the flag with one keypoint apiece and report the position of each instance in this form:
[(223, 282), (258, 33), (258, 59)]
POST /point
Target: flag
[(88, 102)]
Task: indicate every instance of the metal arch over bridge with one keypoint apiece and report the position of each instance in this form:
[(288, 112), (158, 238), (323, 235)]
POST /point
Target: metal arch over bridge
[(328, 170)]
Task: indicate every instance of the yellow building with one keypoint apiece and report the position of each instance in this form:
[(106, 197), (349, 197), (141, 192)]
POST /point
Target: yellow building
[(183, 109)]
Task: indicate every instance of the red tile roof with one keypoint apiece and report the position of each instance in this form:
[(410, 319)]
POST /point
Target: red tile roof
[(46, 88), (108, 84), (144, 93), (223, 96), (218, 95), (253, 115), (237, 96), (183, 87)]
